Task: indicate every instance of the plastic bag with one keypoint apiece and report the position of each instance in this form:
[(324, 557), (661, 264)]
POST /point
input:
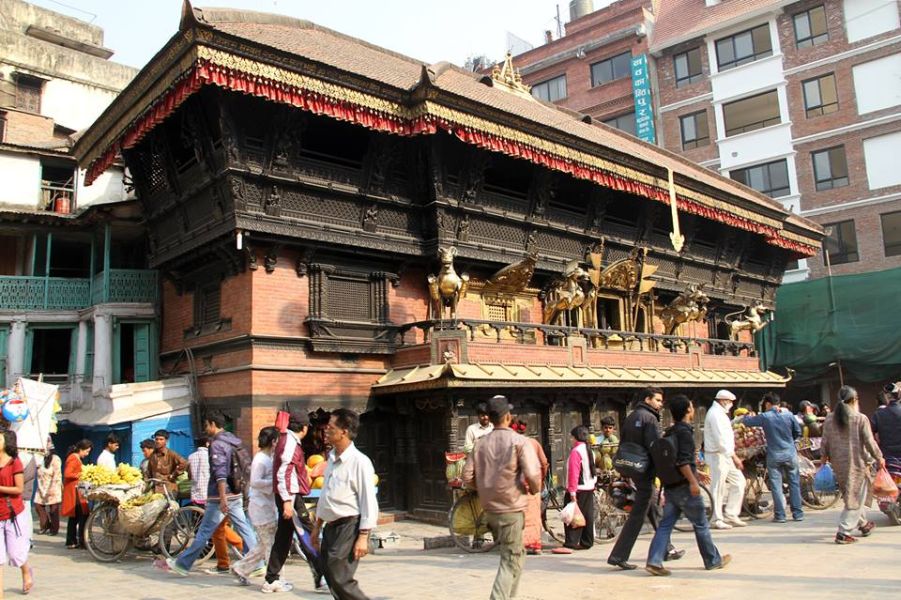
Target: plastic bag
[(572, 516), (884, 487), (824, 480)]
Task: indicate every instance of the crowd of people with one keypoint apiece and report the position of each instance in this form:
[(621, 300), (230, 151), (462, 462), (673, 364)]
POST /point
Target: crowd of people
[(506, 466), (507, 471)]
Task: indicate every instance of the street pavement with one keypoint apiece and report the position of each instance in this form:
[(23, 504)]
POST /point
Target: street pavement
[(792, 560)]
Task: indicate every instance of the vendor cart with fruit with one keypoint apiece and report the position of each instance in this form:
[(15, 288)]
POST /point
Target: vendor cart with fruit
[(127, 513)]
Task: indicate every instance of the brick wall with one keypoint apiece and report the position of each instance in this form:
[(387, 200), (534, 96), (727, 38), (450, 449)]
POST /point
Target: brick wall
[(666, 74), (672, 133), (26, 128)]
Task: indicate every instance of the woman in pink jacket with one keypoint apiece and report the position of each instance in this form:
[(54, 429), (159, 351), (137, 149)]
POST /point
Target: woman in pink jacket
[(580, 482)]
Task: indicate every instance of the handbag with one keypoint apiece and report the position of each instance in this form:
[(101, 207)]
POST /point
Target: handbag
[(631, 459), (572, 516)]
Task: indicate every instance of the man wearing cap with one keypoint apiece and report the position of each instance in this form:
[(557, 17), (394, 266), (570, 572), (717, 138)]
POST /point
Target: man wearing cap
[(727, 484), (497, 468), (479, 429), (781, 430)]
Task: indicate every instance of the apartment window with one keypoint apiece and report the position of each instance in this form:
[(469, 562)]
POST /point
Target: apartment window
[(624, 122), (28, 93), (57, 186), (891, 233), (744, 47), (752, 113), (550, 90), (830, 168), (820, 95), (611, 69), (688, 67), (770, 178), (694, 130), (810, 27), (841, 243)]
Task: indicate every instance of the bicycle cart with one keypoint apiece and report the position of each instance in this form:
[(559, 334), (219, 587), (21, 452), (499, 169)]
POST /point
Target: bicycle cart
[(108, 536)]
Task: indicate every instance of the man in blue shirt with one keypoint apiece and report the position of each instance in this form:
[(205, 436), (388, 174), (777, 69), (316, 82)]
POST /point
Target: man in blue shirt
[(781, 429)]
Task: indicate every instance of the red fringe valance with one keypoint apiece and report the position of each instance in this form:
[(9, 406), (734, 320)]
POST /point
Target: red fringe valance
[(206, 73)]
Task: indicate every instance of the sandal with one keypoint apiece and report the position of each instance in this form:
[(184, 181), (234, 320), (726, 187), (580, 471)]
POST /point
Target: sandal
[(71, 546)]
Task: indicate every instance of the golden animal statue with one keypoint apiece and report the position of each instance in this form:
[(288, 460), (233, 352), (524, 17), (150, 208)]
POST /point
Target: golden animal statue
[(690, 305), (447, 288), (565, 295), (749, 318)]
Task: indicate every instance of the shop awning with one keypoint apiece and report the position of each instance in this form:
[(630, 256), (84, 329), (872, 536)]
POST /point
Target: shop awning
[(480, 375)]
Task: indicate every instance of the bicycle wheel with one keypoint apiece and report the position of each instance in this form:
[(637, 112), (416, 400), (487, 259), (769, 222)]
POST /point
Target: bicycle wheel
[(818, 498), (468, 524), (758, 500), (178, 531), (609, 520), (104, 536), (551, 505), (684, 524)]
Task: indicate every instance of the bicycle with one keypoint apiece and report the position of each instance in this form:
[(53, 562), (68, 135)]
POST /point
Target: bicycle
[(172, 531), (468, 522), (551, 504), (758, 500)]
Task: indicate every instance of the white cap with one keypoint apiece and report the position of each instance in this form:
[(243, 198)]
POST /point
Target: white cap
[(725, 395)]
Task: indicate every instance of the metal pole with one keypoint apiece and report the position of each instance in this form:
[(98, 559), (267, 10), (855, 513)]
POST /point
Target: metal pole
[(47, 271), (107, 241)]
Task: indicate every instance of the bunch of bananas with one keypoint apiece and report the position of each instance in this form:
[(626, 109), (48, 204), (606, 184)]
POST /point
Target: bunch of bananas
[(129, 474), (141, 500), (98, 475)]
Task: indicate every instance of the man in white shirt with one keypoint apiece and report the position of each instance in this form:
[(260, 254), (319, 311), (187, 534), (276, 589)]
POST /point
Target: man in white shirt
[(727, 483), (478, 429), (107, 457), (347, 510)]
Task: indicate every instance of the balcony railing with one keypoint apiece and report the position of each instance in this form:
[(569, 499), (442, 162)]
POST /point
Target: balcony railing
[(555, 335), (65, 293)]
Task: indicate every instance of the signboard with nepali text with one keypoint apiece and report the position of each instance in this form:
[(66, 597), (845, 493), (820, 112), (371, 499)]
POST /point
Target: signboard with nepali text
[(641, 91)]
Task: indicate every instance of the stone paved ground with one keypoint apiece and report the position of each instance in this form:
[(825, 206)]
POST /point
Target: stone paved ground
[(795, 560)]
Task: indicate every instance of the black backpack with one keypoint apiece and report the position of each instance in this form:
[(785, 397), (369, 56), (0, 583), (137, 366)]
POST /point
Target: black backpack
[(663, 453), (239, 470)]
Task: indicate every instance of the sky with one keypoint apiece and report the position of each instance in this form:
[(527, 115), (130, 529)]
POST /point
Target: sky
[(427, 30)]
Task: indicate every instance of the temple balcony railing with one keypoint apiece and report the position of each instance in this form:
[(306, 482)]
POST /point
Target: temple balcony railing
[(536, 334), (126, 285)]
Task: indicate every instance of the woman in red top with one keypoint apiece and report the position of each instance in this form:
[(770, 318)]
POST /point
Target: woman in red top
[(74, 505), (14, 541)]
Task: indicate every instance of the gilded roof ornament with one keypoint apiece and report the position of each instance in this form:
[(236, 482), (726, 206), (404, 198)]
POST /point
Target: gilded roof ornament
[(507, 76)]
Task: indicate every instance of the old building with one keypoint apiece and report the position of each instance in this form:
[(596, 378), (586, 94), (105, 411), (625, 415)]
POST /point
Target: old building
[(590, 68), (799, 100), (78, 306), (340, 225)]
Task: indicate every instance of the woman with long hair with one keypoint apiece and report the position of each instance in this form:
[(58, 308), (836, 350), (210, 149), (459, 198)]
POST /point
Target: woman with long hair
[(14, 540), (580, 481), (74, 505), (849, 445)]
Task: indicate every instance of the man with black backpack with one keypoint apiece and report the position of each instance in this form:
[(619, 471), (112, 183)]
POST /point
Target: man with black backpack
[(229, 483), (674, 458)]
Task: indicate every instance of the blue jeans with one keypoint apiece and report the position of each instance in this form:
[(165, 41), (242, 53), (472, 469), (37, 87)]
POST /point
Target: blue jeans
[(678, 501), (212, 516), (775, 467)]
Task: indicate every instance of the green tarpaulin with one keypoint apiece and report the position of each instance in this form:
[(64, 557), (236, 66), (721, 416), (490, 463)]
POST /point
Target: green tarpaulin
[(851, 319)]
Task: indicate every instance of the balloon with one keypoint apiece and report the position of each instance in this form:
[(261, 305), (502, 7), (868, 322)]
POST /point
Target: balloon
[(15, 410)]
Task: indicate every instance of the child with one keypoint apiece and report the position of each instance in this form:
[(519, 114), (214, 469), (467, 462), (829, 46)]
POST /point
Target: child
[(608, 442)]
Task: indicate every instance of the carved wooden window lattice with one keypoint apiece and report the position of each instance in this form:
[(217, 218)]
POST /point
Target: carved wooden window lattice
[(207, 304), (346, 295)]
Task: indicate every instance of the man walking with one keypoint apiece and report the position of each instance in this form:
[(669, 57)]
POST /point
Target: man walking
[(727, 483), (683, 494), (222, 498), (781, 429), (291, 484), (641, 427), (347, 510), (499, 466)]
